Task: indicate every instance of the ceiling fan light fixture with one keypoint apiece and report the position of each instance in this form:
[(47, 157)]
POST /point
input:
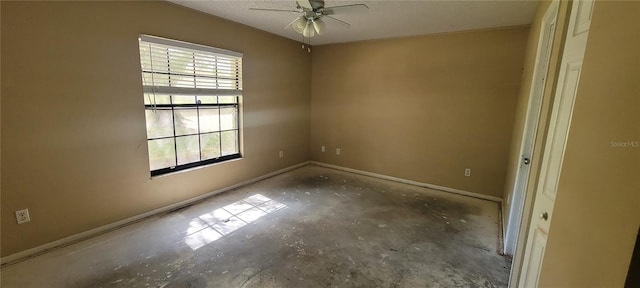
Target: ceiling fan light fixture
[(319, 26), (308, 31), (300, 24)]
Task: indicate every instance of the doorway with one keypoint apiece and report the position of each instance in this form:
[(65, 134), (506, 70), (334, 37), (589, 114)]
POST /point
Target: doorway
[(543, 55)]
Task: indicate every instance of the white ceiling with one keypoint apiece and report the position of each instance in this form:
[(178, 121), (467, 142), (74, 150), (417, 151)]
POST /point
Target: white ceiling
[(385, 19)]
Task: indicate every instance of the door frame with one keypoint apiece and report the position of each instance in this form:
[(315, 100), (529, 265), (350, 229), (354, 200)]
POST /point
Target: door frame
[(574, 46), (532, 119)]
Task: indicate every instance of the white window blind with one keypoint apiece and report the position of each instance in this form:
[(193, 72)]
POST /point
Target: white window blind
[(181, 68), (192, 106)]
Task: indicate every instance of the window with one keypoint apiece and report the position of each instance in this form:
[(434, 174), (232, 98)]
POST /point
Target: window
[(191, 98)]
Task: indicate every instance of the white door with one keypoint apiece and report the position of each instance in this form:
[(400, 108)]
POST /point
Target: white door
[(568, 79), (516, 203)]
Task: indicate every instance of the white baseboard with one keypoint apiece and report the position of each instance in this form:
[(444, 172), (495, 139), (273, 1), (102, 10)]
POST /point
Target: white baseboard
[(410, 182), (115, 225)]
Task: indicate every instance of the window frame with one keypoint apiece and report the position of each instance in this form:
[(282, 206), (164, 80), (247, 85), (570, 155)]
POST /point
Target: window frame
[(197, 105)]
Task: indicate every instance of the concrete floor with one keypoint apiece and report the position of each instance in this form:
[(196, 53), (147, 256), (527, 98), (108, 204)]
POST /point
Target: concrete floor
[(311, 227)]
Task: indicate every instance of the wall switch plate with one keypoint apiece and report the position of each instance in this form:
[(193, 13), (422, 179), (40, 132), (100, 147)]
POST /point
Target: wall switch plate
[(281, 154), (322, 149), (337, 151), (22, 216), (467, 172)]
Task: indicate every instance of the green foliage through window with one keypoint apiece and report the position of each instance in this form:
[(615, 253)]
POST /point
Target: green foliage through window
[(191, 97)]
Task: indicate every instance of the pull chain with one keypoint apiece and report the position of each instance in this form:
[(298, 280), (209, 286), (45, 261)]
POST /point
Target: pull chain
[(308, 41)]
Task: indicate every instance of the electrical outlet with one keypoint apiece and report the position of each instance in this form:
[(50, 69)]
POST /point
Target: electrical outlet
[(337, 151), (22, 216), (281, 154), (467, 172), (322, 149)]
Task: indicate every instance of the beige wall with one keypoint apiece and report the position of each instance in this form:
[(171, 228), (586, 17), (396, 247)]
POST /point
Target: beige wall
[(523, 102), (74, 149), (596, 213), (420, 108)]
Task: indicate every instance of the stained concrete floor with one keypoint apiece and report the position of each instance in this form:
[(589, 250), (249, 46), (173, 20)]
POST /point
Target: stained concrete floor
[(311, 227)]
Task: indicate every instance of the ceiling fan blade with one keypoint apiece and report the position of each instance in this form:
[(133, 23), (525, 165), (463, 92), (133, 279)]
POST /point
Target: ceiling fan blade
[(345, 9), (291, 23), (304, 4), (336, 20), (274, 10)]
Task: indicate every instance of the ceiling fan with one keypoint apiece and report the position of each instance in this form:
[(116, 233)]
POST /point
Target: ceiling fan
[(312, 14)]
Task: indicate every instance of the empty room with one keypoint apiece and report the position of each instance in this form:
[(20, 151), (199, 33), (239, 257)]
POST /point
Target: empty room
[(316, 143)]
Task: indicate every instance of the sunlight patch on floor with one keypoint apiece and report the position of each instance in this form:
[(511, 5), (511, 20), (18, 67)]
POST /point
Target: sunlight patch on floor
[(212, 226)]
